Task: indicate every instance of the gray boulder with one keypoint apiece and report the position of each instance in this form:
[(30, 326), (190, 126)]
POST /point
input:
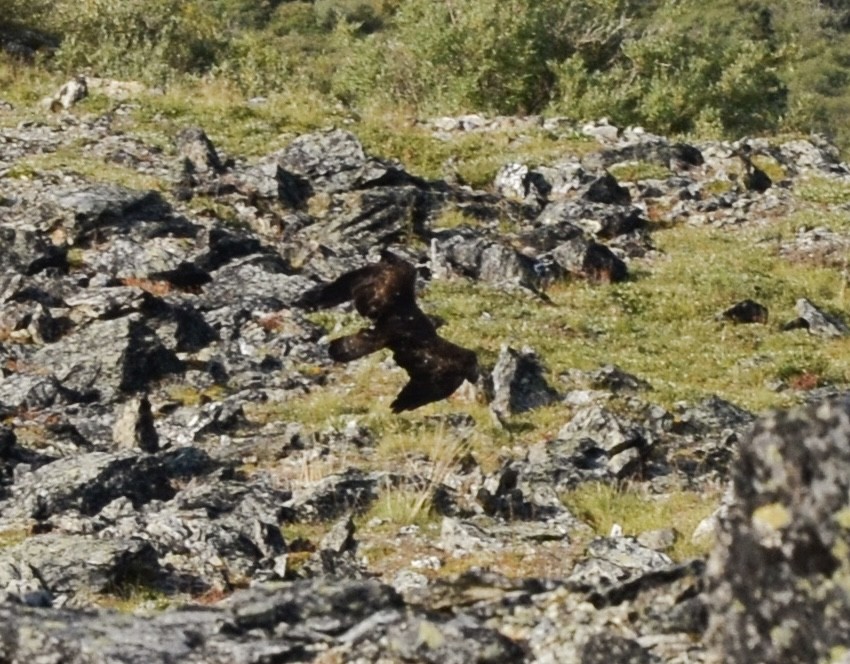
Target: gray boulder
[(778, 575)]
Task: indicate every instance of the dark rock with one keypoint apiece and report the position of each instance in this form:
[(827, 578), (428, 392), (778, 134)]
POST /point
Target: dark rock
[(611, 562), (185, 275), (225, 246), (601, 265), (606, 189), (45, 328), (590, 260), (20, 582), (100, 210), (7, 442), (777, 573), (712, 415), (596, 219), (30, 252), (625, 443), (208, 531), (549, 233), (454, 642), (336, 495), (746, 311), (613, 378), (506, 500), (88, 482), (335, 161), (145, 360), (377, 216), (219, 418), (193, 332), (291, 622), (564, 464), (251, 284), (683, 155), (473, 255), (755, 179), (522, 183), (607, 648), (335, 556)]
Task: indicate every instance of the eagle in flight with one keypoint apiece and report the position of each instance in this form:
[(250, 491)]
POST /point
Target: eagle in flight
[(384, 292)]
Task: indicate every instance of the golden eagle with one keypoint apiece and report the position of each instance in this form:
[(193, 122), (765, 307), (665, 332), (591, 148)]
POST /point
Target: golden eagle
[(384, 292)]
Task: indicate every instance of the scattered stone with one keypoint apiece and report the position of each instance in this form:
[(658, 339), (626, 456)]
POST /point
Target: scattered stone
[(755, 179), (518, 382), (590, 260), (199, 153), (134, 428), (69, 94), (606, 189), (72, 564), (624, 443), (607, 648), (816, 321)]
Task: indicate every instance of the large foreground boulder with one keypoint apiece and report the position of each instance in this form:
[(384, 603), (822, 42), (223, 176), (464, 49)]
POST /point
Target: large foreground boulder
[(780, 572)]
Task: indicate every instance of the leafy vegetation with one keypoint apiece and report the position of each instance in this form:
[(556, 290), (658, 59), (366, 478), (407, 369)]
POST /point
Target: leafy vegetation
[(732, 67)]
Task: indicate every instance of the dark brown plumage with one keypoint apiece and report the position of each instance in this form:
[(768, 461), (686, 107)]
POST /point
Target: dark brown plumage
[(385, 293)]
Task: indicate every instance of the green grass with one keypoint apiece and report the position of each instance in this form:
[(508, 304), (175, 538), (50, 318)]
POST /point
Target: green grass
[(70, 159), (636, 511), (475, 156), (402, 507), (12, 537), (639, 170), (823, 190), (134, 598)]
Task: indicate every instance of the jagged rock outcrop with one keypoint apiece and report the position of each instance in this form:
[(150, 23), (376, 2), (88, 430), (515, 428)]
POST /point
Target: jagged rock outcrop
[(297, 622)]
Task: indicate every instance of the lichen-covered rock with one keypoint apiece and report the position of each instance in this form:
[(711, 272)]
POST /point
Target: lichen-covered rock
[(291, 622), (335, 161), (779, 572), (108, 293), (72, 564), (817, 321), (519, 383), (135, 428), (88, 482)]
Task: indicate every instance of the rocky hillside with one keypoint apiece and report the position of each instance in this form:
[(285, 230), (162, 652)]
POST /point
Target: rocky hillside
[(186, 476)]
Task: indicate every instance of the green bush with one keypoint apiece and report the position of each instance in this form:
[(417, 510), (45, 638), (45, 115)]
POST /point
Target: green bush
[(368, 15), (152, 40), (729, 67), (674, 78), (23, 13), (489, 55)]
